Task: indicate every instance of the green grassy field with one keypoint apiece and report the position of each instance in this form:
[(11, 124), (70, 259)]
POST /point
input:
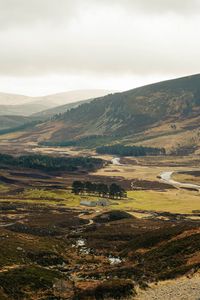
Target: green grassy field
[(56, 190), (186, 178), (175, 201), (50, 197)]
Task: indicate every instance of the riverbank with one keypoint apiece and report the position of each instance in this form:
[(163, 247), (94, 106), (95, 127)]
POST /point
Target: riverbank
[(167, 177)]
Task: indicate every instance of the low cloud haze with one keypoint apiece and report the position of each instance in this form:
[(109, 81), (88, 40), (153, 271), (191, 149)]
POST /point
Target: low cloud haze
[(164, 6), (50, 46)]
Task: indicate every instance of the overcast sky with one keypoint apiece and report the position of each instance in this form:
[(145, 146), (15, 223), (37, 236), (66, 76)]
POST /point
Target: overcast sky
[(49, 46)]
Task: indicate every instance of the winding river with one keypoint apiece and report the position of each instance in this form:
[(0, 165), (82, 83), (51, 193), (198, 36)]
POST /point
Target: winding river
[(116, 161), (166, 177)]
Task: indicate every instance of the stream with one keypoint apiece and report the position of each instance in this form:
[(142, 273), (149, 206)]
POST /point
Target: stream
[(116, 161), (166, 177)]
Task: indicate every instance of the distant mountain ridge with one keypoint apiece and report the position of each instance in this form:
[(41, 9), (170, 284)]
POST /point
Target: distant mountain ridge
[(164, 114), (14, 99), (48, 113), (11, 104), (138, 108)]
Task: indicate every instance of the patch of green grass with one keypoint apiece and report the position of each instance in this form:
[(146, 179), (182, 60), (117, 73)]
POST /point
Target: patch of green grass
[(186, 178), (175, 201), (44, 194), (54, 197)]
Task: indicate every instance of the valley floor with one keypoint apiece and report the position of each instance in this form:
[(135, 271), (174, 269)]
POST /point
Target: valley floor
[(141, 247)]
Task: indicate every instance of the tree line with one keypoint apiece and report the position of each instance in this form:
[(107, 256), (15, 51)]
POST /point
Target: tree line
[(113, 191), (49, 163), (122, 150), (86, 142)]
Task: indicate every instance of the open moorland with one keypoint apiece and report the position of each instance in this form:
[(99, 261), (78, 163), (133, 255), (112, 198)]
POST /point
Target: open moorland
[(138, 247), (65, 233)]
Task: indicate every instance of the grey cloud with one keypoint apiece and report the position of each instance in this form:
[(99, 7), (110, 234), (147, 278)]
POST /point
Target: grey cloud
[(61, 52), (60, 36), (158, 6), (26, 12), (16, 12)]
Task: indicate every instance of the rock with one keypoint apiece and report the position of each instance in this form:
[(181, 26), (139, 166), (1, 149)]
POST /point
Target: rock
[(19, 249)]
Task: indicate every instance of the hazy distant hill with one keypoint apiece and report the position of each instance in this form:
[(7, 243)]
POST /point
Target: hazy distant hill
[(12, 121), (13, 99), (24, 109), (73, 96), (11, 104), (165, 114)]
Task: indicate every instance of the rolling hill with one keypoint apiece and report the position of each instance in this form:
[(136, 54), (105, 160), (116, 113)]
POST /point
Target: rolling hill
[(14, 99), (14, 113), (24, 109), (11, 104), (164, 114), (48, 113), (12, 121)]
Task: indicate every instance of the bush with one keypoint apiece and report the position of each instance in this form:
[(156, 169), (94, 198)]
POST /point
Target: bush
[(114, 289), (16, 282)]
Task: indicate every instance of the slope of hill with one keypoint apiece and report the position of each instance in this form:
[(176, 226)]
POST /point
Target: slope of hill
[(73, 96), (13, 99), (165, 113), (45, 114), (25, 109), (12, 121)]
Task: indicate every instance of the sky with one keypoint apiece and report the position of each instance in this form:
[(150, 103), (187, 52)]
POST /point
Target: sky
[(50, 46)]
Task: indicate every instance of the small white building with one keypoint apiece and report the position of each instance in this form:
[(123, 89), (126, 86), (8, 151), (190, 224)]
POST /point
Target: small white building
[(88, 203), (100, 202)]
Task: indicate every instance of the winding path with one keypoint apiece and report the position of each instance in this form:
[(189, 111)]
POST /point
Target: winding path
[(90, 220), (166, 177)]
